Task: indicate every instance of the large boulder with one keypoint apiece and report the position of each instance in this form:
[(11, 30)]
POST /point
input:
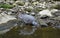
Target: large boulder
[(45, 12), (7, 22)]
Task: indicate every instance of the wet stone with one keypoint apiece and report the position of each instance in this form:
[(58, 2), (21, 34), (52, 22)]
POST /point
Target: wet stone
[(57, 25), (56, 18), (57, 13), (42, 23), (6, 22)]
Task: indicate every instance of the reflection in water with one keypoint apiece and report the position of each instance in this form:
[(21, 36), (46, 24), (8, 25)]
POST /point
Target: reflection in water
[(28, 30)]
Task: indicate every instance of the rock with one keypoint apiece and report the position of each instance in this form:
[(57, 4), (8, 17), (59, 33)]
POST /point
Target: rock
[(33, 13), (23, 0), (47, 22), (43, 5), (12, 11), (2, 0), (42, 23), (2, 9), (44, 17), (56, 18), (27, 12), (57, 13), (54, 10), (57, 25), (26, 4), (7, 22), (21, 3), (35, 3), (29, 8), (57, 5), (10, 1), (51, 23), (45, 12), (5, 27), (4, 18)]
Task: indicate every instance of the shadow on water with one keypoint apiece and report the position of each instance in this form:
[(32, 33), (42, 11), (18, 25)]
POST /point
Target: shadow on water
[(47, 32)]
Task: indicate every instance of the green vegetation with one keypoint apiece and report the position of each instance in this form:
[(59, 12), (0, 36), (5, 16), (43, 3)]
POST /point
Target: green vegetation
[(6, 6)]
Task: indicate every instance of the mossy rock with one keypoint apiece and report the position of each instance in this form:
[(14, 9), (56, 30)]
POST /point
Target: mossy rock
[(57, 6), (6, 6), (38, 9), (28, 9), (20, 3), (35, 3)]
